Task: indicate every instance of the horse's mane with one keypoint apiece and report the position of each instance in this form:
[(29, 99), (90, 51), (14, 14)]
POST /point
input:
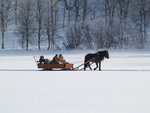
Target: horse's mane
[(101, 54)]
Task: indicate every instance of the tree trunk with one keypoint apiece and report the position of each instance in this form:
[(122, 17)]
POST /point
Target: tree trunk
[(64, 16), (39, 40), (106, 14), (22, 42), (3, 41), (27, 44), (16, 8), (84, 12), (53, 42), (69, 16), (141, 32), (49, 43), (39, 34)]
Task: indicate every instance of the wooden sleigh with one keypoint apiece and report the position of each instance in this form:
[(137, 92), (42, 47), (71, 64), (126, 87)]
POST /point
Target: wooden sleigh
[(65, 66), (55, 66)]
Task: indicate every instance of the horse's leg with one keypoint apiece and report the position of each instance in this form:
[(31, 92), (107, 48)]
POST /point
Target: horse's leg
[(100, 66), (89, 66), (85, 66), (96, 66)]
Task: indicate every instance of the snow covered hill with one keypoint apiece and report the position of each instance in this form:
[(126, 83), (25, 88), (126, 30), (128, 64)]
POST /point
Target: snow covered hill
[(122, 86)]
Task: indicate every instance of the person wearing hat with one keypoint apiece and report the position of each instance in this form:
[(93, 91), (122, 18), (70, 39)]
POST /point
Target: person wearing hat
[(42, 60), (61, 59)]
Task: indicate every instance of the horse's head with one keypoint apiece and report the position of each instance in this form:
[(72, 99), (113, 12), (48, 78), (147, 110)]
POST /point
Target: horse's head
[(106, 54), (103, 54)]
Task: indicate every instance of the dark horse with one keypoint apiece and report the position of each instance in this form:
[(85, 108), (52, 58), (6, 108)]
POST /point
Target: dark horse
[(95, 58)]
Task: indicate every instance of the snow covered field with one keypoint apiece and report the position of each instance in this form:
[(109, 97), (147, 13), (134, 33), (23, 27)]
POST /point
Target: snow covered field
[(122, 86)]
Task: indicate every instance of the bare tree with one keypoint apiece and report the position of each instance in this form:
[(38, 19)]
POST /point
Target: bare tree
[(20, 31), (84, 12), (98, 34), (141, 20), (87, 35), (110, 10), (63, 12), (39, 19), (16, 10), (124, 22), (77, 8), (74, 38), (26, 20), (51, 19), (69, 6), (5, 6), (122, 10)]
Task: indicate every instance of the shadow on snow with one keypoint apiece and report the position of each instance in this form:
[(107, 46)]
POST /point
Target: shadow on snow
[(105, 70)]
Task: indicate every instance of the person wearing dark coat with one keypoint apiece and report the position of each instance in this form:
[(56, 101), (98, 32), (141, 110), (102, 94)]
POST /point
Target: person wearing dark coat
[(43, 61), (55, 60)]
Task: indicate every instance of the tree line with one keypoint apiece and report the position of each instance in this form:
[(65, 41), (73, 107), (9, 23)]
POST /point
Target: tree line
[(90, 24)]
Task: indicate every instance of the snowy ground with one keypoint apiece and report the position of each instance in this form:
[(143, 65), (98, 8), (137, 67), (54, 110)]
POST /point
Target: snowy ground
[(122, 86)]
